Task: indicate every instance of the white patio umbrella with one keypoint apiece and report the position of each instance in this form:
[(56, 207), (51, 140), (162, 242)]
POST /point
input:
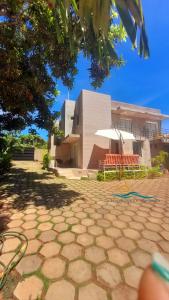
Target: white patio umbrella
[(115, 134)]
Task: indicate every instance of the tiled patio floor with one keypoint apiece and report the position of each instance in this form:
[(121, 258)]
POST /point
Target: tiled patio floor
[(83, 245)]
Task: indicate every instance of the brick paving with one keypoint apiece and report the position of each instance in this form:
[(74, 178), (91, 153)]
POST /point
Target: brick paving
[(83, 243)]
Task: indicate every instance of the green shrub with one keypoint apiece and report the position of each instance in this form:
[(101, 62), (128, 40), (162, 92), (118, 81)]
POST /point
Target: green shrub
[(5, 163), (46, 161), (125, 174), (161, 160), (154, 172)]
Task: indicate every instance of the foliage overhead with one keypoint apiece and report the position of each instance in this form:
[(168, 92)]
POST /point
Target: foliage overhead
[(33, 140), (40, 42)]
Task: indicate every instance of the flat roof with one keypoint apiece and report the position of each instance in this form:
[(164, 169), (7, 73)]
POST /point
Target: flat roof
[(133, 110)]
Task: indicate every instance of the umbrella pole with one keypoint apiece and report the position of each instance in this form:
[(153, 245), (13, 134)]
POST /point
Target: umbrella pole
[(109, 146)]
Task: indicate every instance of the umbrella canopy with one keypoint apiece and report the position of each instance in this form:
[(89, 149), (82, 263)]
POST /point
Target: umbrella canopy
[(115, 134)]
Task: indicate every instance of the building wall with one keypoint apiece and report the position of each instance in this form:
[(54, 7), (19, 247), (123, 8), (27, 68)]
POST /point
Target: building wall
[(67, 114), (146, 154), (39, 153), (96, 114)]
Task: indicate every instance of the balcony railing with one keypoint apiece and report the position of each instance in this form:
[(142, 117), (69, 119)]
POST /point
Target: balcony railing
[(140, 133)]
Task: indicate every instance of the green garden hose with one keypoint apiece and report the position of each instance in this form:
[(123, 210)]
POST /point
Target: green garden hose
[(132, 194), (20, 252)]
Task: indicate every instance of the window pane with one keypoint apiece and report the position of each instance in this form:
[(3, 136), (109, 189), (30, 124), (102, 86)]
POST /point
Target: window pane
[(137, 148), (125, 124)]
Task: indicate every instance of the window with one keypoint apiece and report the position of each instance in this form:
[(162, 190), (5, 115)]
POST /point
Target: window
[(125, 124), (137, 148), (151, 129)]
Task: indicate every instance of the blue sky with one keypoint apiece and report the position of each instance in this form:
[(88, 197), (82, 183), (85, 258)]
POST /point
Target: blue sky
[(142, 82)]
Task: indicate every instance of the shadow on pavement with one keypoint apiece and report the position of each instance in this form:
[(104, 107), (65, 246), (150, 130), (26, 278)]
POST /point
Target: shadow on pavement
[(25, 188)]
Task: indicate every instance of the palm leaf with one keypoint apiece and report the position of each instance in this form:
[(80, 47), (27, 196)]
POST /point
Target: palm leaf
[(128, 23)]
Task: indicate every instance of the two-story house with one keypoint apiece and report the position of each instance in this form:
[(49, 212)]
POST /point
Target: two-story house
[(92, 111)]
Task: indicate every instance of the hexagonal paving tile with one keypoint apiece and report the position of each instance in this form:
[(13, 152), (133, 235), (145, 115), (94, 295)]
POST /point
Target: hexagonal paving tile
[(15, 223), (29, 264), (55, 212), (164, 245), (148, 246), (78, 228), (71, 251), (120, 224), (33, 246), (123, 292), (131, 234), (79, 271), (95, 216), (72, 220), (85, 239), (95, 254), (104, 242), (151, 235), (92, 292), (30, 217), (165, 226), (53, 268), (66, 237), (95, 230), (29, 224), (124, 218), (31, 233), (30, 211), (118, 257), (10, 244), (68, 214), (42, 212), (113, 232), (45, 226), (110, 217), (87, 222), (165, 234), (154, 227), (44, 218), (126, 244), (58, 219), (60, 227), (103, 223), (61, 290), (136, 225), (81, 215), (47, 236), (29, 288), (141, 258), (5, 258), (132, 276), (17, 216), (50, 249), (108, 275)]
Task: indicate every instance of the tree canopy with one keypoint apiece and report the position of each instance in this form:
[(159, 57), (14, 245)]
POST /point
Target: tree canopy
[(40, 41)]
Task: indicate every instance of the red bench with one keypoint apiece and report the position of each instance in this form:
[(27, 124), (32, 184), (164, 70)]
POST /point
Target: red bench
[(117, 160)]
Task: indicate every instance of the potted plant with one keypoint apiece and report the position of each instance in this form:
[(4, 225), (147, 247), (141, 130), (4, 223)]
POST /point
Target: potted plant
[(58, 136)]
